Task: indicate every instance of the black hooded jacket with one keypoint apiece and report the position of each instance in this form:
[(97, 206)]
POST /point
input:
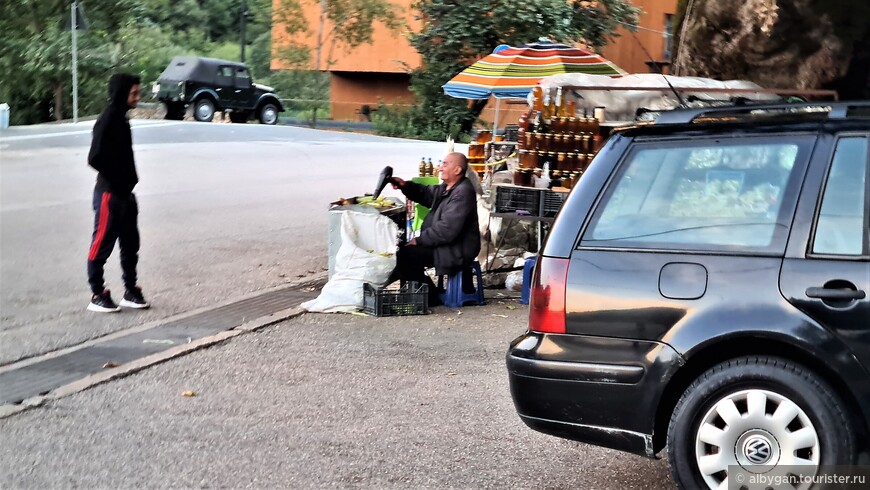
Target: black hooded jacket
[(112, 145)]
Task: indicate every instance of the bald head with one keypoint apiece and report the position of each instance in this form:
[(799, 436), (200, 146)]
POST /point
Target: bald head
[(453, 168), (462, 160)]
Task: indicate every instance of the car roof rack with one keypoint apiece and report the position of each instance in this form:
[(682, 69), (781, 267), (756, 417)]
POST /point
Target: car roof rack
[(793, 110)]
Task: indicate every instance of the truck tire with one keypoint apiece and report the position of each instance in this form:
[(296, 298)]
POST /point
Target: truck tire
[(203, 110), (268, 114)]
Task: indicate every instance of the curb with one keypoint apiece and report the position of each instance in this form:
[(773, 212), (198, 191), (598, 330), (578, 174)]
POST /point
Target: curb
[(151, 360)]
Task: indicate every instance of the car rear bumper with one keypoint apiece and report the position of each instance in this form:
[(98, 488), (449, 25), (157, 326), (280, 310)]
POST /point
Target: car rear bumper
[(602, 391)]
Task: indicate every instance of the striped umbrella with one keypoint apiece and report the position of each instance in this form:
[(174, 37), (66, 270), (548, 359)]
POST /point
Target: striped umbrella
[(512, 72)]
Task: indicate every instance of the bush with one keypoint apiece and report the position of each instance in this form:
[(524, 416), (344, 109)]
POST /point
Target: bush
[(411, 122), (302, 92)]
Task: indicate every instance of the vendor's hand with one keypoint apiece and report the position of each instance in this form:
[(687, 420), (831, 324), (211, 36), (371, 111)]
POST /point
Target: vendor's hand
[(398, 183), (411, 243)]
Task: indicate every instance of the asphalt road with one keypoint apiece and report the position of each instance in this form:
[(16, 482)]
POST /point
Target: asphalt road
[(321, 401), (225, 210)]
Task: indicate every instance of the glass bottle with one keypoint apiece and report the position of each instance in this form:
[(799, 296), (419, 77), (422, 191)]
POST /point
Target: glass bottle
[(559, 104), (582, 160), (556, 178), (586, 144), (537, 98), (524, 121), (595, 126), (547, 113), (536, 123), (552, 105)]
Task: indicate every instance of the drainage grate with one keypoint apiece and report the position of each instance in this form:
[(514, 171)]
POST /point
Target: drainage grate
[(42, 377)]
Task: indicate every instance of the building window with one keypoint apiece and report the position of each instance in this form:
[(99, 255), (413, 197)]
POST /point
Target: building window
[(669, 36)]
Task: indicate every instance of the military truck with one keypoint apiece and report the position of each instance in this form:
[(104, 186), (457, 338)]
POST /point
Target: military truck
[(210, 85)]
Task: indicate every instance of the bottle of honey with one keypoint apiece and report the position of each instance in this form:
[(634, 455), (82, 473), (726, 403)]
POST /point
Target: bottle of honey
[(545, 111), (552, 104), (524, 121), (559, 110), (537, 99)]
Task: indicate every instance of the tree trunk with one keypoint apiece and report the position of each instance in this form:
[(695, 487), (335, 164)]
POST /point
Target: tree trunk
[(476, 108), (320, 31), (58, 102), (803, 44)]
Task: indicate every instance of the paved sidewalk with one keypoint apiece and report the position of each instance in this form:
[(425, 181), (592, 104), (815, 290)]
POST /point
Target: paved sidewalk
[(318, 401)]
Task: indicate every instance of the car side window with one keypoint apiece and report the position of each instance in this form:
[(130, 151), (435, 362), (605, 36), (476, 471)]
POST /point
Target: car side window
[(225, 72), (841, 226), (243, 79), (729, 194)]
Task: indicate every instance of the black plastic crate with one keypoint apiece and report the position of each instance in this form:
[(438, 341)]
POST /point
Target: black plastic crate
[(511, 131), (551, 203), (410, 299), (512, 198)]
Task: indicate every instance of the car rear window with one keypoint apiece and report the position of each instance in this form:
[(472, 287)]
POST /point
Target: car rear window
[(702, 194)]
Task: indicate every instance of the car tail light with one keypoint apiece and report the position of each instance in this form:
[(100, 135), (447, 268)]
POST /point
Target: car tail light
[(547, 302)]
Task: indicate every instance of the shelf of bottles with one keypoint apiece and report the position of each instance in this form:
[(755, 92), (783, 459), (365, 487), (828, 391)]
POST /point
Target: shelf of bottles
[(477, 151), (554, 136)]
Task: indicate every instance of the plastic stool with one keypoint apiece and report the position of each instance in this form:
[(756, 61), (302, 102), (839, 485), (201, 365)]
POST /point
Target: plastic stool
[(454, 297), (527, 280)]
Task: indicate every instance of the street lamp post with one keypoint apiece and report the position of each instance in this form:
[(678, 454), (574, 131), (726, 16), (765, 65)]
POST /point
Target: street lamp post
[(77, 20), (75, 61), (243, 17)]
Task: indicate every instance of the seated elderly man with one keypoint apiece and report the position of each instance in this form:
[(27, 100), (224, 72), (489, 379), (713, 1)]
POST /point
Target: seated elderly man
[(449, 237)]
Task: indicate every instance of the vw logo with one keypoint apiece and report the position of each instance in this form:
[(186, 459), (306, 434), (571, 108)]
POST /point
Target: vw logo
[(757, 450)]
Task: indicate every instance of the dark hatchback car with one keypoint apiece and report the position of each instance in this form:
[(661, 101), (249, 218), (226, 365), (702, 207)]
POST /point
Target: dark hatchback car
[(211, 85), (704, 288)]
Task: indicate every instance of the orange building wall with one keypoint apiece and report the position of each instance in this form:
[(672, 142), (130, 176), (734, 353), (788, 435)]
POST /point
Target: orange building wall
[(627, 52), (389, 52), (350, 91)]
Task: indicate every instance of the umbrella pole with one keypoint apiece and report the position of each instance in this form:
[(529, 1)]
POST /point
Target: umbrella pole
[(495, 120)]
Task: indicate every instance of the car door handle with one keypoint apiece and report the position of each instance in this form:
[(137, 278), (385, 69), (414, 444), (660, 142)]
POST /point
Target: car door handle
[(835, 294), (237, 91)]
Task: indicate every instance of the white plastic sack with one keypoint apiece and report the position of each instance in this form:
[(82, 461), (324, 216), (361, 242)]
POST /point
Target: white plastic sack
[(514, 281), (367, 254)]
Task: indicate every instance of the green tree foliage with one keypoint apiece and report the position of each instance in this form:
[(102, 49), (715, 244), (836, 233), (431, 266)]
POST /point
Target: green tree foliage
[(457, 33), (139, 36), (35, 58)]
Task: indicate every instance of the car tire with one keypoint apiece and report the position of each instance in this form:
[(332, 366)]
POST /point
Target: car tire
[(203, 110), (174, 112), (775, 409), (269, 114), (239, 117)]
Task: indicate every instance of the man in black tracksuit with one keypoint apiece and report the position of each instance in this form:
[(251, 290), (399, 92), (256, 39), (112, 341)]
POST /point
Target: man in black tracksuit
[(115, 209), (449, 237)]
